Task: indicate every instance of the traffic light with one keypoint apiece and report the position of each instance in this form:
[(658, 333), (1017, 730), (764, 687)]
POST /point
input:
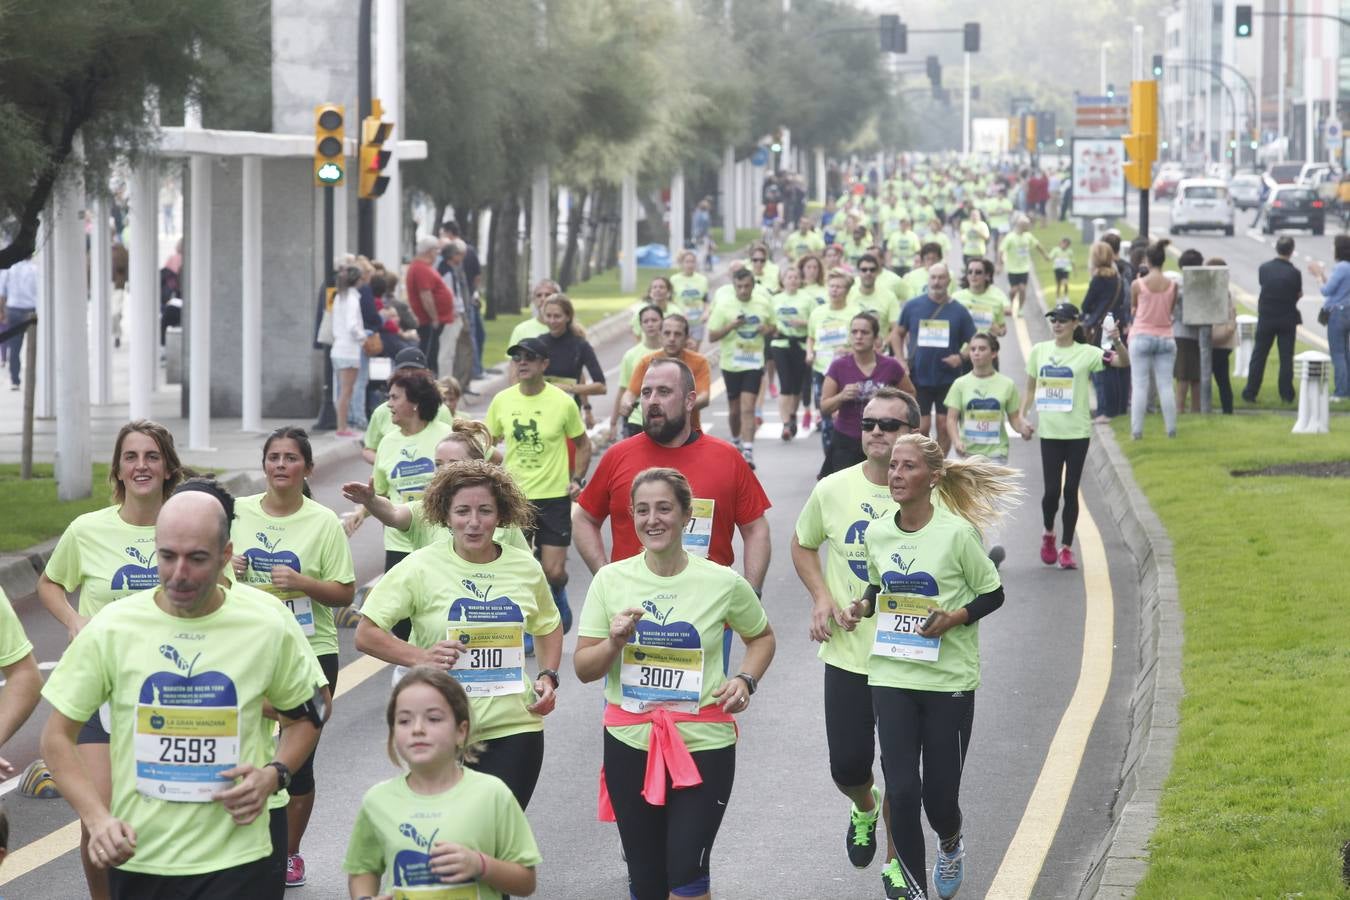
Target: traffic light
[(934, 71), (972, 37), (1029, 129), (1157, 65), (374, 158), (1242, 20), (1110, 90), (329, 133), (894, 35), (1141, 144)]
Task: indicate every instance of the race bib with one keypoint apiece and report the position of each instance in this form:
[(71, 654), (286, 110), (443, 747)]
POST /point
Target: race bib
[(669, 677), (300, 606), (900, 618), (983, 317), (983, 426), (697, 537), (935, 333), (493, 659), (438, 892), (181, 750), (831, 338), (694, 313), (748, 355), (1054, 389)]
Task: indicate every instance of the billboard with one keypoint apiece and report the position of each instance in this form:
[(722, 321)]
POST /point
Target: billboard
[(989, 136), (1098, 177)]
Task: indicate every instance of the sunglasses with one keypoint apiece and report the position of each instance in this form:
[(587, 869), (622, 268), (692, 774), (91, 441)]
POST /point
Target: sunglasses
[(866, 269), (525, 356), (887, 425)]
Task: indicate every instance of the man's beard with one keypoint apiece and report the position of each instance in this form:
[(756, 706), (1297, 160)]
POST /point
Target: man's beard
[(665, 429)]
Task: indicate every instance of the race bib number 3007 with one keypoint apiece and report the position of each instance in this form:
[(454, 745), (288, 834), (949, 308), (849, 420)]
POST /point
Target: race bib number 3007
[(670, 677)]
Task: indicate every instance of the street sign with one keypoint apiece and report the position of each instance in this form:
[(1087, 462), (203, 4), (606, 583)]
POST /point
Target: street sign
[(1110, 115), (759, 157), (1333, 131)]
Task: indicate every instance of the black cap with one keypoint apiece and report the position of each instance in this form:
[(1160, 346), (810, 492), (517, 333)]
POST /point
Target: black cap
[(1063, 312), (529, 345), (410, 358)]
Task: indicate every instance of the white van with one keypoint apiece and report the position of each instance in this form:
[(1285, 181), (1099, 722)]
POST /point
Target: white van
[(1202, 203)]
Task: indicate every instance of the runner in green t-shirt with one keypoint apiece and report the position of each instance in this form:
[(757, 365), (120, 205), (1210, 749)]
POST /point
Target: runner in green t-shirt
[(987, 304), (980, 401), (649, 319), (652, 629), (837, 514), (1058, 384), (741, 322), (403, 462), (792, 308), (803, 241), (441, 830), (186, 669), (23, 681), (491, 595), (869, 296), (974, 236), (929, 583), (1062, 261), (903, 246), (1015, 255), (691, 295)]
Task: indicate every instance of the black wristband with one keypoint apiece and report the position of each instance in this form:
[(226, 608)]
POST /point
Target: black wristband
[(749, 680), (552, 674)]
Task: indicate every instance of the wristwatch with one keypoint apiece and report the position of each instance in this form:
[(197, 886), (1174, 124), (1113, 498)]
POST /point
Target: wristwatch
[(579, 481), (749, 680), (550, 673), (284, 774)]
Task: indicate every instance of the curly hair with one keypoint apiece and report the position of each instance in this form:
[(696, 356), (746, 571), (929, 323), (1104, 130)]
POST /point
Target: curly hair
[(455, 698), (974, 488), (173, 467), (512, 507), (421, 391)]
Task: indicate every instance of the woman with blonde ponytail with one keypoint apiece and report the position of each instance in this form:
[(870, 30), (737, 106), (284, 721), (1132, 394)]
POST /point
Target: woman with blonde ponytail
[(929, 583)]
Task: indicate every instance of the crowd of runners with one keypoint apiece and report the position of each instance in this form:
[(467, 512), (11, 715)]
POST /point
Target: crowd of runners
[(204, 652)]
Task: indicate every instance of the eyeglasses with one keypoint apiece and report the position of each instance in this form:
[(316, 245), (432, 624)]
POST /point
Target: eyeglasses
[(975, 272), (867, 269), (887, 425), (525, 356)]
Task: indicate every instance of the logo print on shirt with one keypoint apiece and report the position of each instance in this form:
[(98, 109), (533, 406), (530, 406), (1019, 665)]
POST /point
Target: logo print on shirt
[(527, 434), (902, 580), (411, 867), (141, 576), (855, 535), (262, 561), (479, 608), (659, 631)]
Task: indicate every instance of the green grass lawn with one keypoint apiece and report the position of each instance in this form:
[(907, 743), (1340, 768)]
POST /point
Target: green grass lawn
[(29, 511), (1257, 802)]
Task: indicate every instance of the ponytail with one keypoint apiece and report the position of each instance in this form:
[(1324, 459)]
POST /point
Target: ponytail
[(978, 490)]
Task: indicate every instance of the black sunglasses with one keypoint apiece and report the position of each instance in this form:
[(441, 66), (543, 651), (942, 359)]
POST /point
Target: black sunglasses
[(887, 425), (525, 356)]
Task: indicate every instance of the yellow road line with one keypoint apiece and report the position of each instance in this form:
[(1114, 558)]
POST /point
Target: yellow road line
[(67, 838), (1025, 856)]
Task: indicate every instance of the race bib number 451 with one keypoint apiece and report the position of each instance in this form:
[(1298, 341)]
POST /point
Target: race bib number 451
[(900, 618)]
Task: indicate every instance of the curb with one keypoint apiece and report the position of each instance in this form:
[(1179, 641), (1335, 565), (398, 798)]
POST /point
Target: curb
[(1120, 860)]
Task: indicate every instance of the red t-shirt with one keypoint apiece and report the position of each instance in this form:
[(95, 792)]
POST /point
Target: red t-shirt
[(422, 277), (716, 471)]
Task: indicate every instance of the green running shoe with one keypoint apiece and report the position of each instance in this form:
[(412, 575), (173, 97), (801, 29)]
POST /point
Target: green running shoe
[(898, 884), (861, 838)]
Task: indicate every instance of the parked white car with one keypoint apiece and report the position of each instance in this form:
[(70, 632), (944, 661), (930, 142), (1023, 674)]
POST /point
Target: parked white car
[(1245, 189), (1202, 203)]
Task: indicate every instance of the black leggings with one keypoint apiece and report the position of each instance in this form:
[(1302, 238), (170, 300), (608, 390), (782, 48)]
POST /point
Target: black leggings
[(1221, 359), (933, 726), (403, 627), (668, 847), (516, 759), (794, 375), (1066, 458), (302, 782), (849, 723)]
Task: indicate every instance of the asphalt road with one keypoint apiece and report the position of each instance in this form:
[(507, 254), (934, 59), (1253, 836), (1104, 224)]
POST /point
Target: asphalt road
[(784, 830)]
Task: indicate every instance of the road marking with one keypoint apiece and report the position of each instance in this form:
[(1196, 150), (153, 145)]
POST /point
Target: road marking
[(1025, 856)]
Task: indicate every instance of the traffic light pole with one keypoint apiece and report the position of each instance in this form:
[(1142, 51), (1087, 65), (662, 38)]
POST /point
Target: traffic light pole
[(327, 420), (1143, 213), (365, 209)]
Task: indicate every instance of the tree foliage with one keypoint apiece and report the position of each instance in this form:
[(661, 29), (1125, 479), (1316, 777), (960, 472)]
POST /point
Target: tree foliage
[(85, 68)]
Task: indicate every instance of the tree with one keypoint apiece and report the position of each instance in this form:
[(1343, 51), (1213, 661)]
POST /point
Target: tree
[(75, 68)]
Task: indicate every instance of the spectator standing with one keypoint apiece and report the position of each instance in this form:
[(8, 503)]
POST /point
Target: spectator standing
[(345, 351), (1223, 341), (1107, 295), (1186, 374), (1277, 320), (430, 299), (19, 286), (1153, 350), (472, 269), (1336, 304)]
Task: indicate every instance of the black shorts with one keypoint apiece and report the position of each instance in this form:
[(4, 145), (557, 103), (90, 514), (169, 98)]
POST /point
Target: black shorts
[(1061, 275), (742, 382), (792, 369), (302, 782), (255, 880), (1187, 366), (1016, 278), (932, 397), (552, 522), (93, 732)]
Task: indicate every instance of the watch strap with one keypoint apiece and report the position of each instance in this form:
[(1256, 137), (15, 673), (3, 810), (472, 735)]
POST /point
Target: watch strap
[(552, 674)]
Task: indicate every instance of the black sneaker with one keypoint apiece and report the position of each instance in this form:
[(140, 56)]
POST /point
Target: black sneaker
[(898, 884), (861, 838)]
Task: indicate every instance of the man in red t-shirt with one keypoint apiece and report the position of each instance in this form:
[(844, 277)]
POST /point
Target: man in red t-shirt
[(1038, 193), (727, 495), (430, 299)]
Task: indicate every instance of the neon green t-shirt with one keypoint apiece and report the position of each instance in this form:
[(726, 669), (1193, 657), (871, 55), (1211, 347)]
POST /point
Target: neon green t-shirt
[(837, 514), (881, 303), (942, 565), (396, 828), (631, 357), (403, 466), (855, 250), (536, 429), (495, 604), (104, 558), (691, 295), (526, 328), (675, 659), (14, 643), (917, 281), (423, 533), (186, 701), (903, 246), (381, 424), (312, 542), (974, 238), (1062, 388), (986, 309), (1061, 258), (828, 328), (769, 279), (742, 346), (999, 212), (1016, 249), (796, 245), (889, 281), (983, 405), (791, 312), (940, 238)]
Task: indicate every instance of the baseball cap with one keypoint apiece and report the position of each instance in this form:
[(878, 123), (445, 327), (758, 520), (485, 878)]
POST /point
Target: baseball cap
[(1063, 312), (529, 345), (410, 358)]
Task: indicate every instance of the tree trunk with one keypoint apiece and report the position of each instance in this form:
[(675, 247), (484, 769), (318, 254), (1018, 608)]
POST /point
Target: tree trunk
[(607, 247), (656, 228), (504, 272), (567, 269), (587, 250)]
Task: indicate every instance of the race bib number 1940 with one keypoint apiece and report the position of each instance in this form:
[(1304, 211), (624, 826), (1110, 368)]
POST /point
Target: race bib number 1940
[(1054, 389)]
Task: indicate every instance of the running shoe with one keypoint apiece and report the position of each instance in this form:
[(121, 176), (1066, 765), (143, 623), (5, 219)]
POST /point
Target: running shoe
[(1048, 548), (1066, 560), (997, 554), (861, 838), (898, 884), (948, 870), (787, 432), (806, 420), (295, 870), (748, 454)]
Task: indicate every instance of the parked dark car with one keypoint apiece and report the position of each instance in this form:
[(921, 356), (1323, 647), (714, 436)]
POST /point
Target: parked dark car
[(1294, 206)]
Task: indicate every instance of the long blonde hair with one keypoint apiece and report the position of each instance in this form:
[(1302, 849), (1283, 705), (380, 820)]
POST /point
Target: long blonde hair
[(1102, 260), (977, 490)]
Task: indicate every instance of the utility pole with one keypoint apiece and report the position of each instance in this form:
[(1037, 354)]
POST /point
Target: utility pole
[(365, 209)]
